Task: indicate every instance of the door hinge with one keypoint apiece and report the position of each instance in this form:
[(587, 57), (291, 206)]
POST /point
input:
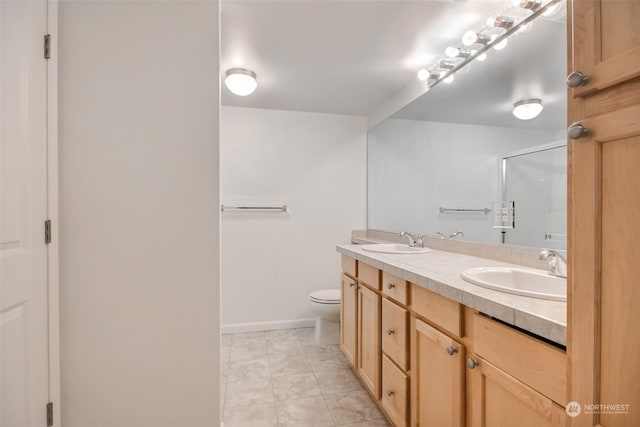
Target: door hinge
[(47, 231), (47, 46), (49, 414)]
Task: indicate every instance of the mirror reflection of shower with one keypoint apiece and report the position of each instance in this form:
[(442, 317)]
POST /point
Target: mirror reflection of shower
[(536, 180)]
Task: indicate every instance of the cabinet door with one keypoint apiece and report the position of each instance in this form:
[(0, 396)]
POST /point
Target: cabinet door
[(348, 318), (369, 350), (499, 400), (605, 273), (437, 378), (606, 42)]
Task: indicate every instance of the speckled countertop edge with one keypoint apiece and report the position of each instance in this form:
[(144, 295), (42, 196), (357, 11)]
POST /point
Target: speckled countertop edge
[(440, 272)]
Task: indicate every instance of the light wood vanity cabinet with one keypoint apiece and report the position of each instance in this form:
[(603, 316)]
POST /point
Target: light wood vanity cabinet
[(431, 362), (514, 379), (604, 201)]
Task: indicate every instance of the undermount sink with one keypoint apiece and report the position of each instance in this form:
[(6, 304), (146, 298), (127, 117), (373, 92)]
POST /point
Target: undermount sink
[(395, 248), (518, 281)]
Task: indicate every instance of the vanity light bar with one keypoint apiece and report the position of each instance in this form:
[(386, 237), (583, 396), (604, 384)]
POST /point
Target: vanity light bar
[(487, 41)]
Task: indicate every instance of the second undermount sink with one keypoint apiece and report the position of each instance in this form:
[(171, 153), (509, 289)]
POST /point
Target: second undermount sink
[(395, 248), (518, 281)]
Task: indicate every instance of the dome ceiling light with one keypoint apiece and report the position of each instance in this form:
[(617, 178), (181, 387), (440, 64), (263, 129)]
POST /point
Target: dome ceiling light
[(527, 109), (241, 81)]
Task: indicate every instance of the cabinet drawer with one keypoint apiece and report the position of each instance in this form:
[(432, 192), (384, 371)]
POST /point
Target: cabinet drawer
[(349, 266), (395, 390), (541, 366), (394, 332), (442, 311), (394, 287), (368, 275)]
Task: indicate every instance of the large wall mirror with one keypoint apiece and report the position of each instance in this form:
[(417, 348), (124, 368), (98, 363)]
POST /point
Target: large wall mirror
[(458, 160)]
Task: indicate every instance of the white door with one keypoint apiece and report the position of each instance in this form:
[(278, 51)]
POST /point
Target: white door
[(23, 208)]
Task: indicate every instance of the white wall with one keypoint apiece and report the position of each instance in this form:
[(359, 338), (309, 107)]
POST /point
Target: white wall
[(315, 163), (415, 167), (139, 229)]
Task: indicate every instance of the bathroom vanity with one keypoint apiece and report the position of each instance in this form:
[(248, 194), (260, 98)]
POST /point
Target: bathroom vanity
[(435, 350)]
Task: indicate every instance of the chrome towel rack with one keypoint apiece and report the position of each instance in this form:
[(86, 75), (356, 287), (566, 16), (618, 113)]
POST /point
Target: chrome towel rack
[(454, 210), (281, 208)]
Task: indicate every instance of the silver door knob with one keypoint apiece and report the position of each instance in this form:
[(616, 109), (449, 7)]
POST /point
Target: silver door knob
[(390, 332), (390, 392), (577, 79), (452, 350), (472, 363), (577, 131), (391, 285)]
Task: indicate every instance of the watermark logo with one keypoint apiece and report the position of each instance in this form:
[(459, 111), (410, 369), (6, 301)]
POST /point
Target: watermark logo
[(573, 409)]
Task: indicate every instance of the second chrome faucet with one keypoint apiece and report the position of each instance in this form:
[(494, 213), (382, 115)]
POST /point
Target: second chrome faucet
[(415, 240)]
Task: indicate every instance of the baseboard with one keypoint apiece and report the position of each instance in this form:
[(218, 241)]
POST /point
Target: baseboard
[(267, 326)]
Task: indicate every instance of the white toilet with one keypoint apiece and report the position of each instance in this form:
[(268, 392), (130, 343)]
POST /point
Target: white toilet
[(325, 304)]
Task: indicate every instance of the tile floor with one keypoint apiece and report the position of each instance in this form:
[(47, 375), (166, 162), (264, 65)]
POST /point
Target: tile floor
[(282, 378)]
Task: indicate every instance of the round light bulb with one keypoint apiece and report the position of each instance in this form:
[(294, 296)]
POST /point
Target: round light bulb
[(469, 38), (448, 79), (527, 109), (423, 74), (241, 81), (524, 28), (452, 52), (498, 46)]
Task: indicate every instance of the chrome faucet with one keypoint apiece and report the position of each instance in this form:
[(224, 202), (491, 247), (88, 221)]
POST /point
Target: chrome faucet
[(557, 263), (456, 234), (442, 236), (415, 240)]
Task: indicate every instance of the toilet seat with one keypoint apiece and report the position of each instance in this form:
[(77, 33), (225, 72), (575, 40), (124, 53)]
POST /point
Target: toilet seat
[(326, 296)]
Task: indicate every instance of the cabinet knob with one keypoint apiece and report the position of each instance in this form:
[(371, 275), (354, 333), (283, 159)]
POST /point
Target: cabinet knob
[(577, 131), (472, 363), (390, 332), (352, 284), (452, 350), (390, 392), (391, 285), (577, 79)]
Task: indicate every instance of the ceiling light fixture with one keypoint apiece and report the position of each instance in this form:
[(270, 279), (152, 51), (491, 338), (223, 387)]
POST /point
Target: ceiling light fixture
[(241, 81), (455, 52), (423, 74), (527, 109), (471, 37)]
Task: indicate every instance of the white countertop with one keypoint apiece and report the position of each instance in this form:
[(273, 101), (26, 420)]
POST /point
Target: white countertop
[(441, 271)]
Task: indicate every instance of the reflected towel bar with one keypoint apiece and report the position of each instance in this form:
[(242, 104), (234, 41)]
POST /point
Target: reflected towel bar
[(451, 210), (282, 208)]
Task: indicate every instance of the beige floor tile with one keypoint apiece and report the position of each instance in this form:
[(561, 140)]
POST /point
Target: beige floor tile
[(287, 387), (352, 407), (260, 415), (308, 412), (225, 340), (245, 393), (248, 370), (248, 338), (257, 350), (371, 423), (338, 381), (288, 364), (289, 347), (328, 363)]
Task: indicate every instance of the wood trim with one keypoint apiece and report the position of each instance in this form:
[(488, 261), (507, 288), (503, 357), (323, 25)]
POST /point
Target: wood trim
[(349, 266), (369, 275), (369, 353)]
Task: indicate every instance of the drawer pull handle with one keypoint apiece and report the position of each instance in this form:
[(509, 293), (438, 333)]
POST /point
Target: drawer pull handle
[(452, 350), (577, 79), (472, 363), (390, 392), (390, 332), (391, 285)]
